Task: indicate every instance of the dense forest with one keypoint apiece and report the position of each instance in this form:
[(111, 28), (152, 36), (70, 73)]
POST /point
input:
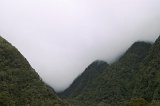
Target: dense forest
[(133, 80), (20, 85)]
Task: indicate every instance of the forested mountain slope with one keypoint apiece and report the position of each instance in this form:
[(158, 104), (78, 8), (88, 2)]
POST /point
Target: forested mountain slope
[(148, 76), (20, 85), (133, 80), (85, 80), (135, 75)]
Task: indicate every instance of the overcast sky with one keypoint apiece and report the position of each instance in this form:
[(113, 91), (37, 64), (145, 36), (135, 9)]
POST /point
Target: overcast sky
[(60, 38)]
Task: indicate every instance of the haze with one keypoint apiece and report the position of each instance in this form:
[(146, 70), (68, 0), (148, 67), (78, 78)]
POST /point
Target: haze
[(60, 38)]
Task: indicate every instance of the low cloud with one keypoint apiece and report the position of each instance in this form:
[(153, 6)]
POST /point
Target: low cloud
[(60, 38)]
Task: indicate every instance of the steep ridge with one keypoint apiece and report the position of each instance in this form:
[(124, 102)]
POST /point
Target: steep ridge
[(119, 81), (20, 85), (116, 83), (85, 79), (148, 80), (133, 80)]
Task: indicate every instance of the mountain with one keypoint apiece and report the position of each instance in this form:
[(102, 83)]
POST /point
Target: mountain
[(133, 80), (118, 81), (85, 80), (20, 85), (148, 80)]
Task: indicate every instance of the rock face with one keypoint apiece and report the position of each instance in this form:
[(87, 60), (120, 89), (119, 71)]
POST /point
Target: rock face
[(20, 85), (135, 75)]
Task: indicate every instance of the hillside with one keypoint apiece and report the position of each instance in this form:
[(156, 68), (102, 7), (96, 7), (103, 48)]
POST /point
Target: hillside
[(85, 80), (148, 80), (20, 85), (133, 80)]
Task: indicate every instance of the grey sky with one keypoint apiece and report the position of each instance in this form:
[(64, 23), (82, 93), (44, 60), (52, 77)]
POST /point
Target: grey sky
[(60, 38)]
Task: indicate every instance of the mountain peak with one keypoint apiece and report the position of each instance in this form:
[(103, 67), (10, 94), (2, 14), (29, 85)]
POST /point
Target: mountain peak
[(139, 45), (137, 50), (97, 63), (86, 79)]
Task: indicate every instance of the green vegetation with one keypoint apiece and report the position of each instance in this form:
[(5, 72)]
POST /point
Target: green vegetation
[(133, 80), (85, 80), (20, 85)]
